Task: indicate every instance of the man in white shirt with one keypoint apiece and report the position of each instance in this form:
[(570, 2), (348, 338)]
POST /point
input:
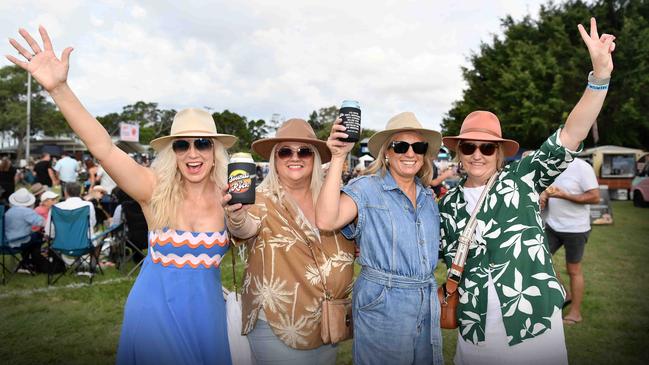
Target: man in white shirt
[(72, 201), (67, 170), (568, 224)]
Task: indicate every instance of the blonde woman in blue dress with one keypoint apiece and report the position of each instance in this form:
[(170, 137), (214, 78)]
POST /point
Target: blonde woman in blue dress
[(175, 313)]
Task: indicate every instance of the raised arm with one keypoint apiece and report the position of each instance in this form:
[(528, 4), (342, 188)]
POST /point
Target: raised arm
[(52, 74), (334, 209), (584, 114)]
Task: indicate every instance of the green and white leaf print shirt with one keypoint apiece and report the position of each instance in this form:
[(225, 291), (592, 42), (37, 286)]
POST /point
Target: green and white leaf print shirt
[(511, 247)]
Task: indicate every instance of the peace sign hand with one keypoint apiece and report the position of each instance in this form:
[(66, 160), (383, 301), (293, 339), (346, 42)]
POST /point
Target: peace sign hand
[(599, 48), (48, 70)]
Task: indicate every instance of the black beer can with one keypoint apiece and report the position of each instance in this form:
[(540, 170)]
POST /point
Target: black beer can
[(350, 114), (242, 177)]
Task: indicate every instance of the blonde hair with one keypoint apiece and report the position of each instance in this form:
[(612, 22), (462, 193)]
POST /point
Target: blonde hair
[(381, 166), (273, 184), (168, 192)]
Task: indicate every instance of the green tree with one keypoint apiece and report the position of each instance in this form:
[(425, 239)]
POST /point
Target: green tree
[(533, 76), (13, 108), (246, 130)]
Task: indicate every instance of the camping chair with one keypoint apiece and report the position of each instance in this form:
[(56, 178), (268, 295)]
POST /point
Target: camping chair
[(136, 235), (72, 238), (7, 249)]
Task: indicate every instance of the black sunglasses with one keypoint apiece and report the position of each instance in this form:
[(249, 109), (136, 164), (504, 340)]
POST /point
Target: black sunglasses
[(400, 147), (287, 152), (487, 149), (200, 144)]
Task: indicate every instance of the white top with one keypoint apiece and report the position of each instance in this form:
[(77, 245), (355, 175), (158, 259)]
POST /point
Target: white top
[(105, 180), (67, 168), (548, 348), (564, 215), (70, 204)]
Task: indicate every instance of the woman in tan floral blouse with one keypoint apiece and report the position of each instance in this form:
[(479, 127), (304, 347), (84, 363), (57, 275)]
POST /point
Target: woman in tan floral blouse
[(283, 289)]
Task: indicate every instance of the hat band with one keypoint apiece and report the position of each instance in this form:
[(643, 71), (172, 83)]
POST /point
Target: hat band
[(193, 131), (483, 130)]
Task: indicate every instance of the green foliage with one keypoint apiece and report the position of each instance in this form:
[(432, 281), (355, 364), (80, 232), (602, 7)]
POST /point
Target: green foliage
[(535, 74), (246, 130), (13, 107)]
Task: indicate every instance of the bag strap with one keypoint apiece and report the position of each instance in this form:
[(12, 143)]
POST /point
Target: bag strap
[(234, 273), (457, 267)]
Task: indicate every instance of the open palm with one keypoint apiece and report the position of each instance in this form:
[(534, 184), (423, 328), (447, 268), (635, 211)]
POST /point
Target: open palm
[(43, 64)]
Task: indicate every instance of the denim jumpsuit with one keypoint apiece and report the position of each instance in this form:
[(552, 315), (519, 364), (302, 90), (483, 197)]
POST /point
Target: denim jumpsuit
[(395, 307)]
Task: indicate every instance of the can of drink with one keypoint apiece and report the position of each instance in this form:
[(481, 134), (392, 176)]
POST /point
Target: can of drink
[(350, 114), (242, 179)]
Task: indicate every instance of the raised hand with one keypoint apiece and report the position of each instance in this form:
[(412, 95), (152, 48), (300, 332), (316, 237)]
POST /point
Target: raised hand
[(235, 213), (338, 148), (599, 48), (43, 64)]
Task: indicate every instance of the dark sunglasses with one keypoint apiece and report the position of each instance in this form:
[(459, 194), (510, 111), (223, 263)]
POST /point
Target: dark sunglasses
[(487, 149), (400, 147), (287, 152), (200, 144)]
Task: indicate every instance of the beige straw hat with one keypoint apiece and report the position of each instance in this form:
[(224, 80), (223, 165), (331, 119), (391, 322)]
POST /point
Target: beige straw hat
[(404, 122), (193, 122)]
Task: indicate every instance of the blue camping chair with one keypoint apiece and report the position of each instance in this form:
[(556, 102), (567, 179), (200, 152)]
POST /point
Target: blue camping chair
[(7, 249), (72, 238)]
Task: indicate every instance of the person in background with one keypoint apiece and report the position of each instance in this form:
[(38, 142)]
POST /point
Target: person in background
[(19, 220), (567, 224), (8, 178), (67, 170), (96, 196), (393, 216), (283, 289), (38, 189), (91, 170), (509, 310), (44, 173), (72, 195)]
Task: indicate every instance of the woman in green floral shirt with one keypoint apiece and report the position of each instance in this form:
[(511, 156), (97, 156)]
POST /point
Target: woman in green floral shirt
[(510, 299)]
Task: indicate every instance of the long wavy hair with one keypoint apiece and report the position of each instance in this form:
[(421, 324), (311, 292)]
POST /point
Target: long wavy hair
[(380, 165), (273, 184), (168, 192)]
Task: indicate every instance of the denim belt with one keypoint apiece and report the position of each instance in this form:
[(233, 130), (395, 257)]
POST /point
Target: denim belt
[(398, 281)]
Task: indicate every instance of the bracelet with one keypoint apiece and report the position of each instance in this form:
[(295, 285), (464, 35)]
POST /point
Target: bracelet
[(597, 87), (592, 79)]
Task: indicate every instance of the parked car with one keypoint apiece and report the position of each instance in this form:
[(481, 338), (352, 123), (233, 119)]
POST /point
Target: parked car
[(640, 188)]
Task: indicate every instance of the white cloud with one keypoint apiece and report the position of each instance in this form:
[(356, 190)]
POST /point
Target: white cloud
[(258, 58)]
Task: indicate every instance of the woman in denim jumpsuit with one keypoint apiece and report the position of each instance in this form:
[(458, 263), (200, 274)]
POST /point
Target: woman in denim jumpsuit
[(393, 216)]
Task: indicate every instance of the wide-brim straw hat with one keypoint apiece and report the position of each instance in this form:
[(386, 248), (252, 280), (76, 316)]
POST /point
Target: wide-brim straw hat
[(404, 122), (196, 123), (22, 198), (482, 125), (38, 188), (293, 130), (49, 195)]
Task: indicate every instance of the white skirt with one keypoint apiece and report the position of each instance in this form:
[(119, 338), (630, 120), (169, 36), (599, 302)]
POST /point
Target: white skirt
[(546, 349)]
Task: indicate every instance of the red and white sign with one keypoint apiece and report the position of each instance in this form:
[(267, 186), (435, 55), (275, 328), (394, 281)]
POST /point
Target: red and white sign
[(129, 132)]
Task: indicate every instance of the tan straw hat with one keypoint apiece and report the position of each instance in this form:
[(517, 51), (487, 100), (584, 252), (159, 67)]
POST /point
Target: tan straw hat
[(193, 122), (481, 125), (293, 130), (38, 189), (404, 122)]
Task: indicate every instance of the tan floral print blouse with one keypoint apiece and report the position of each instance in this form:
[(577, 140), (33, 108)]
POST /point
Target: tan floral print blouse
[(281, 278)]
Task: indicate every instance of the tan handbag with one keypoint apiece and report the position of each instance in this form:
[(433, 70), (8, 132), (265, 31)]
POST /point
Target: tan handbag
[(336, 319), (447, 293)]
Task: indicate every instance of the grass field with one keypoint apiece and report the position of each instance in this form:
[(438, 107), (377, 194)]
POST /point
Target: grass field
[(79, 324)]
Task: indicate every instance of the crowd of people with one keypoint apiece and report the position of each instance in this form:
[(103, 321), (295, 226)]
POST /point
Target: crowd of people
[(305, 230)]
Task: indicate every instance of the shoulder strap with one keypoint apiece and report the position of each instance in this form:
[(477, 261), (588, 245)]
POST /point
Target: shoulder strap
[(455, 273)]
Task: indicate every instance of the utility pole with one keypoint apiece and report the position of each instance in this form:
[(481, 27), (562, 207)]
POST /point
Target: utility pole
[(29, 114)]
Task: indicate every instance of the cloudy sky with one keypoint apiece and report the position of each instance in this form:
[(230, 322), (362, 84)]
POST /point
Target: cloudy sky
[(259, 58)]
